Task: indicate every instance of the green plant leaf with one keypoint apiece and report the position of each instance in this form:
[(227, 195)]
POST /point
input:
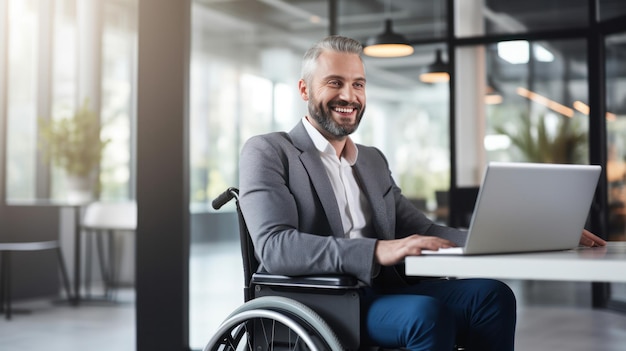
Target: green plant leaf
[(73, 143), (536, 145)]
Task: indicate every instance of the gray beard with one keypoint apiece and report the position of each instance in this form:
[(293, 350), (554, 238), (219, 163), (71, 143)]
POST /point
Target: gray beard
[(323, 117)]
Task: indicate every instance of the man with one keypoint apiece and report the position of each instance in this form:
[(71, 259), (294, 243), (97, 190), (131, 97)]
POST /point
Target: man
[(317, 203)]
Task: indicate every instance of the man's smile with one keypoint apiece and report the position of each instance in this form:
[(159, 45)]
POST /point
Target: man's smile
[(344, 109)]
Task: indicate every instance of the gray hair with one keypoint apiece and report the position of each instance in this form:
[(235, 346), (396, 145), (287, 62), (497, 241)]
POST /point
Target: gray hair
[(334, 43)]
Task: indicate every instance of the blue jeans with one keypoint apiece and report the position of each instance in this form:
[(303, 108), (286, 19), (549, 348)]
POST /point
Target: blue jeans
[(478, 314)]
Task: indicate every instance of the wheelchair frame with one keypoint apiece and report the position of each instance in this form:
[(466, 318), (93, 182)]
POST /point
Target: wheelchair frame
[(311, 309), (325, 305)]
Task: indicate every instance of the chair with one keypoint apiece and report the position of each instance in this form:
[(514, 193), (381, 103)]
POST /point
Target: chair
[(5, 269), (464, 201), (311, 309), (104, 220), (442, 212), (314, 308)]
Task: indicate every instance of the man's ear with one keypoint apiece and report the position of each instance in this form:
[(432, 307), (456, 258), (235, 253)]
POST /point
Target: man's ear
[(304, 91)]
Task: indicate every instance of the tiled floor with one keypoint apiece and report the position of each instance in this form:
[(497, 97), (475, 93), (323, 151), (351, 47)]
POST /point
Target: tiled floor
[(552, 316), (59, 327)]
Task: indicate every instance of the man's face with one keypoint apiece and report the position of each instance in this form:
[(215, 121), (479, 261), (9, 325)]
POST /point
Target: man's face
[(336, 93)]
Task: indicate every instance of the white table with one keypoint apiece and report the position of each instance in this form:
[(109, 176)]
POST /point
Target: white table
[(598, 264)]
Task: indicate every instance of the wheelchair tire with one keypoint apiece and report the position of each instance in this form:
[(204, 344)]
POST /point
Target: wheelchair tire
[(309, 330)]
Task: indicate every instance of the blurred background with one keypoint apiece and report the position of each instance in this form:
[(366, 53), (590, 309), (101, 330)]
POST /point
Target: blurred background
[(531, 81)]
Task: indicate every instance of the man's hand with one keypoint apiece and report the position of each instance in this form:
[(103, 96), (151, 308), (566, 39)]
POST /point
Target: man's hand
[(590, 240), (390, 252)]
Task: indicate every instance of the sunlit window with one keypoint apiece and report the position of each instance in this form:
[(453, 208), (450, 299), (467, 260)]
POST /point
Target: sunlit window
[(45, 82), (117, 110), (518, 52), (23, 51), (541, 115), (214, 120), (64, 89)]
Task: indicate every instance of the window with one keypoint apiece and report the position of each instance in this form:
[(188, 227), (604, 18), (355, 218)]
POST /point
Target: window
[(493, 17), (63, 85), (23, 19), (118, 99), (51, 70), (245, 64), (616, 146), (244, 75), (611, 9), (616, 135), (540, 115)]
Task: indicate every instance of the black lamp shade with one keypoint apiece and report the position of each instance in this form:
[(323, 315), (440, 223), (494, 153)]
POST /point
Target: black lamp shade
[(437, 72), (492, 93), (387, 44)]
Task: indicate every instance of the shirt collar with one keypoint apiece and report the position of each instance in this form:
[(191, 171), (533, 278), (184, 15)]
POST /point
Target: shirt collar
[(350, 151)]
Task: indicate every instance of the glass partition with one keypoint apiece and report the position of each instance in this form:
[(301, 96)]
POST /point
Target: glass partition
[(119, 68), (520, 101), (611, 9), (242, 83), (517, 101), (49, 64), (64, 89), (21, 144), (245, 67), (493, 17), (416, 20), (616, 146), (537, 102), (51, 69), (616, 135), (409, 121)]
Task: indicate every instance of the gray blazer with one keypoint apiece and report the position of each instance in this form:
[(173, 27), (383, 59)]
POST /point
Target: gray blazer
[(293, 217)]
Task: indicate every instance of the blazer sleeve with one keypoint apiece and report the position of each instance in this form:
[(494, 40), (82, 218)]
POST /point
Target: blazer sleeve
[(410, 220), (287, 224), (406, 219)]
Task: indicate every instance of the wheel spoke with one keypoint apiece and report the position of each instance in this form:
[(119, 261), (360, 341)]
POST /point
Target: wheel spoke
[(293, 327)]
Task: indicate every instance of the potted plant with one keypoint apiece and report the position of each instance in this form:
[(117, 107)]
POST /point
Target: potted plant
[(74, 144), (565, 145)]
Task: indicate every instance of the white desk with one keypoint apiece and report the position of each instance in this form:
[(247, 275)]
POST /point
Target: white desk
[(598, 264)]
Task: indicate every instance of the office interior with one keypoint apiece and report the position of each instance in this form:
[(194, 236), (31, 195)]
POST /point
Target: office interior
[(179, 85)]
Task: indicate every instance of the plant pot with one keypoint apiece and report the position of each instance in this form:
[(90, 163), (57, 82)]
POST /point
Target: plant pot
[(80, 189)]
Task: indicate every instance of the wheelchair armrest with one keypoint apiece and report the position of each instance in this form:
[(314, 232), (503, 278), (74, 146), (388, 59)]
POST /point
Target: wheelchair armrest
[(330, 281)]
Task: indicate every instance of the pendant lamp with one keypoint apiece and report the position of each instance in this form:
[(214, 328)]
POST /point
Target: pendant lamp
[(492, 93), (387, 44), (437, 72)]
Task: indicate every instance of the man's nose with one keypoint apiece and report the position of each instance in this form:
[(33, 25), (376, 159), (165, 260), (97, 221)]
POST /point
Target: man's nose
[(348, 93)]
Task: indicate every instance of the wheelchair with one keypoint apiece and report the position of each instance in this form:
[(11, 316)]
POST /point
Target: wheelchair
[(315, 313)]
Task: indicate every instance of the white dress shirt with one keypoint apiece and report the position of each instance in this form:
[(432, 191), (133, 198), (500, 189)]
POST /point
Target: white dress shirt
[(353, 206)]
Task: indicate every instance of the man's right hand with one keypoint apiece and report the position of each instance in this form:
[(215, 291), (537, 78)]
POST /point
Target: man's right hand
[(391, 252)]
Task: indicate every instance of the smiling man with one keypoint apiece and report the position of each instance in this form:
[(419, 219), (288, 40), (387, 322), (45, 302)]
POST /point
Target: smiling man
[(336, 101), (317, 203)]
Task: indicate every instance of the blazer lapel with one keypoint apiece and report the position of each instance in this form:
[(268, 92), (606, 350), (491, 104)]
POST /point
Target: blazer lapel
[(317, 174), (371, 187)]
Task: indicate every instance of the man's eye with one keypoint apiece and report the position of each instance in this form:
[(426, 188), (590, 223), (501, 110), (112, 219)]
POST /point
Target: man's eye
[(359, 85), (334, 83)]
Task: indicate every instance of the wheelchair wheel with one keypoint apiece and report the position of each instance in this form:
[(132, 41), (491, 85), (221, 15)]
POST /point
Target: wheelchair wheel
[(274, 323)]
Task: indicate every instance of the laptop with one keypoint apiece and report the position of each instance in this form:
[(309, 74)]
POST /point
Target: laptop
[(529, 207)]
